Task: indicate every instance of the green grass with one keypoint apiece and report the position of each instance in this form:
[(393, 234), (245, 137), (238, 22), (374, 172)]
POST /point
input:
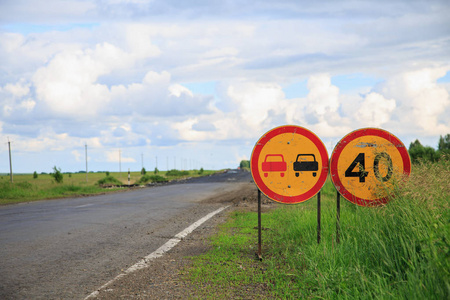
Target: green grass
[(177, 173), (109, 180), (398, 251), (25, 191), (229, 269), (152, 178), (26, 188)]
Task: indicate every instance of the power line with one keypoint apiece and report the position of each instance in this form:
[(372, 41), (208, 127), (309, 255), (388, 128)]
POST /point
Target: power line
[(120, 164)]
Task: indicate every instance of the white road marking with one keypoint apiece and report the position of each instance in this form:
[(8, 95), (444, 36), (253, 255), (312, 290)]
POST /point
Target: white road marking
[(160, 251), (84, 205)]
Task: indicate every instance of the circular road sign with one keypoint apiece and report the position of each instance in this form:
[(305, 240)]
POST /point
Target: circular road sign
[(289, 164), (366, 163)]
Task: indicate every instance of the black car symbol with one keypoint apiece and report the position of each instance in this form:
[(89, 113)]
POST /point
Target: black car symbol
[(301, 164)]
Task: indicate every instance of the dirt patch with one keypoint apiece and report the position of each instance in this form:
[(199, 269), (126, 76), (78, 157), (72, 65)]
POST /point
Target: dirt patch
[(245, 196), (164, 278)]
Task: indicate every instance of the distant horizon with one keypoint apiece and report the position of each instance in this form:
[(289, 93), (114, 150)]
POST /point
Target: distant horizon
[(167, 169), (112, 172)]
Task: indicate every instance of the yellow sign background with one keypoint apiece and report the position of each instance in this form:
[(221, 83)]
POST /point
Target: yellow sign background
[(290, 145), (373, 188)]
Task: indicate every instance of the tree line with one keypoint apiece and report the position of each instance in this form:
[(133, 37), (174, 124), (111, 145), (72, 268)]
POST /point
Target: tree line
[(418, 152)]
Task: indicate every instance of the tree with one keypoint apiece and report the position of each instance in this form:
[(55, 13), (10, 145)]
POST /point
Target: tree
[(57, 175), (244, 164), (143, 171), (418, 152), (444, 144), (35, 175), (156, 170)]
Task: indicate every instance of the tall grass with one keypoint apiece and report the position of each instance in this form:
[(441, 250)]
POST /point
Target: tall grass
[(27, 187), (17, 192), (397, 251), (152, 178)]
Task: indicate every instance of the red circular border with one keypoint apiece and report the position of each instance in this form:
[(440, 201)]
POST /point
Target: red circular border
[(344, 142), (257, 176)]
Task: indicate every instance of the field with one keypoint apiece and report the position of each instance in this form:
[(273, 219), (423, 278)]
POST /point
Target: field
[(397, 251), (27, 188)]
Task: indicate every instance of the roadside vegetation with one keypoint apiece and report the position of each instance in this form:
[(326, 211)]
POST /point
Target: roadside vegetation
[(152, 178), (244, 165), (397, 251), (417, 152), (109, 181), (31, 187)]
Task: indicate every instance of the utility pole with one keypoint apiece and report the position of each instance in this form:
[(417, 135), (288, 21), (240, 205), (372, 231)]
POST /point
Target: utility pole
[(10, 163), (85, 146), (142, 160), (120, 164)]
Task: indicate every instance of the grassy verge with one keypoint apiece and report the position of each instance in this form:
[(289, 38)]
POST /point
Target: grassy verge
[(23, 190), (399, 251), (26, 188)]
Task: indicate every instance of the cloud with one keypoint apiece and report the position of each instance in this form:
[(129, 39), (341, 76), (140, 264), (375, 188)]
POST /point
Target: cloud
[(157, 96), (204, 126), (126, 74), (122, 135), (320, 110), (423, 104), (255, 107), (178, 90), (118, 156), (17, 90), (68, 84), (322, 97), (375, 110), (14, 98), (77, 155), (254, 101)]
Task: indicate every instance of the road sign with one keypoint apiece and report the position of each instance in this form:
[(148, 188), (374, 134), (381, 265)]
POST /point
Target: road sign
[(289, 164), (365, 165)]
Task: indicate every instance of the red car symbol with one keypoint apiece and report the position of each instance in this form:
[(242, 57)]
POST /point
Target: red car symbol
[(276, 163)]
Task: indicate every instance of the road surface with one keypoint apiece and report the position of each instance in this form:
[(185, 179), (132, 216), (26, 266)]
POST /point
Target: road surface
[(68, 248)]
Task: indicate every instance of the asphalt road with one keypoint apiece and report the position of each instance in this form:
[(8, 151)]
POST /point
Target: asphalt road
[(68, 248)]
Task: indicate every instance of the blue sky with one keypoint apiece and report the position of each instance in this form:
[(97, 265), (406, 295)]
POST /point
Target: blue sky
[(194, 84)]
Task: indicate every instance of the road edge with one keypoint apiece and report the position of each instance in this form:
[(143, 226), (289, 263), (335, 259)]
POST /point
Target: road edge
[(143, 263)]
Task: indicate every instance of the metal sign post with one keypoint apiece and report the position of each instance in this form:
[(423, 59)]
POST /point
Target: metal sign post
[(318, 218), (338, 217), (259, 254)]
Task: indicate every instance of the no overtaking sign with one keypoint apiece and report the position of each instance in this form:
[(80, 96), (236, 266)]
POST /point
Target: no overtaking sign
[(289, 164)]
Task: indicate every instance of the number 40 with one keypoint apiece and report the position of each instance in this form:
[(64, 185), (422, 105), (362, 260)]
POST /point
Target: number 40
[(362, 173)]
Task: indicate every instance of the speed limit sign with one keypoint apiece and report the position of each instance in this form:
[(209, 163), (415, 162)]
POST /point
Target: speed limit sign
[(365, 164)]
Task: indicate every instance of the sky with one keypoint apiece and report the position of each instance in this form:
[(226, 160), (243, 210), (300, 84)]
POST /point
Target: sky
[(195, 83)]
